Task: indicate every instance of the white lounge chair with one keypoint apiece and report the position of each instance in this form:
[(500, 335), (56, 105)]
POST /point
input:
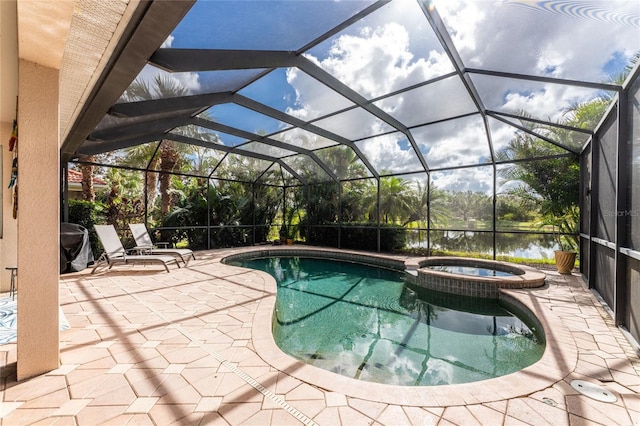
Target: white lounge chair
[(144, 244), (115, 253)]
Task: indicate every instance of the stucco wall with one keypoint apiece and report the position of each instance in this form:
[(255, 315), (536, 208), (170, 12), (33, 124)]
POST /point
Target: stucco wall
[(39, 219)]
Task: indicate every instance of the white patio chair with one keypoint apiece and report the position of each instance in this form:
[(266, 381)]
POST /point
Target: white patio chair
[(144, 244), (114, 252)]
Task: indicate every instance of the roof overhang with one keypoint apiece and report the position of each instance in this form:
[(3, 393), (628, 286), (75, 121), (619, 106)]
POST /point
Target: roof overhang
[(143, 27)]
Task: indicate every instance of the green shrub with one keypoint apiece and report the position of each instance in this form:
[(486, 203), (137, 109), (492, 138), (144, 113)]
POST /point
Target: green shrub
[(326, 236), (361, 236)]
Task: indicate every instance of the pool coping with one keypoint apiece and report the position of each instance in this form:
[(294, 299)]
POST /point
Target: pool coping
[(559, 359)]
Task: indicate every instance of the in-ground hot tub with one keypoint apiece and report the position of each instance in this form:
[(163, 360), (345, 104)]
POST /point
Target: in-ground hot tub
[(475, 277)]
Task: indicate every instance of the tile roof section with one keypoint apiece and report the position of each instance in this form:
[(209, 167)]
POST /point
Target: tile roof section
[(75, 176)]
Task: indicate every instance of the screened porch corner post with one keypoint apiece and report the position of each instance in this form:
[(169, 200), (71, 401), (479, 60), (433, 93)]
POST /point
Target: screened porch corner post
[(428, 213), (378, 211), (208, 213), (64, 193), (495, 211), (146, 197), (585, 211), (622, 206), (308, 230), (253, 213), (339, 214), (593, 219), (284, 212)]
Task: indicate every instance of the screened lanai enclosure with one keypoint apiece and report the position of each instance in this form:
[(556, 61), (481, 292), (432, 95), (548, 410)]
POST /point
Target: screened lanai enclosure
[(507, 129)]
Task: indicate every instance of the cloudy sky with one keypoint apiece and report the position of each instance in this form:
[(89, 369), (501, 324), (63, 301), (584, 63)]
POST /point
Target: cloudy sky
[(394, 49)]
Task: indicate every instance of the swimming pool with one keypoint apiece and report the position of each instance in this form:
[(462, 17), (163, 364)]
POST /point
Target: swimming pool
[(366, 322)]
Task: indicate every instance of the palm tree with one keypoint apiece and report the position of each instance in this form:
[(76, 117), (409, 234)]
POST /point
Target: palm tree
[(163, 87), (138, 156), (418, 205), (123, 203), (169, 158), (588, 114), (552, 184), (171, 154), (438, 211), (395, 199), (469, 203), (359, 200), (88, 193), (343, 162)]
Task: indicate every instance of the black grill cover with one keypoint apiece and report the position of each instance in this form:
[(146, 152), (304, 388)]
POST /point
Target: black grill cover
[(75, 248)]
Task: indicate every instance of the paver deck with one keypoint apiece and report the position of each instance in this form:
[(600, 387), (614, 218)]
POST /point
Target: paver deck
[(193, 347)]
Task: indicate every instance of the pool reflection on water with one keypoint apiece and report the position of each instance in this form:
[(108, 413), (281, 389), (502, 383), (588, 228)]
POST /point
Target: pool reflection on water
[(366, 323)]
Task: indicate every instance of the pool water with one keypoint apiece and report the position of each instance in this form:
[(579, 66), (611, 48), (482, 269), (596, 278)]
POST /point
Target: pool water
[(366, 323), (471, 270)]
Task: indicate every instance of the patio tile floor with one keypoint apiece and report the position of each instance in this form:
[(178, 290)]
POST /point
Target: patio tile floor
[(189, 347)]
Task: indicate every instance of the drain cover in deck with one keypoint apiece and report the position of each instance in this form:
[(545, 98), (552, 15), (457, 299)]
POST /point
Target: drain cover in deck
[(593, 391)]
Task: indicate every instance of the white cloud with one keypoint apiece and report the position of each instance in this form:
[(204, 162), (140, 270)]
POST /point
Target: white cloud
[(501, 134), (550, 101), (468, 179), (188, 80), (385, 153), (378, 60), (313, 99), (524, 37), (168, 42), (360, 61), (541, 38), (463, 22), (391, 51), (395, 48), (453, 143), (440, 100)]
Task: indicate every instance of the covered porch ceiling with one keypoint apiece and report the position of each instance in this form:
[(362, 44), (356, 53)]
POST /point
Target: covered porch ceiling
[(403, 86)]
